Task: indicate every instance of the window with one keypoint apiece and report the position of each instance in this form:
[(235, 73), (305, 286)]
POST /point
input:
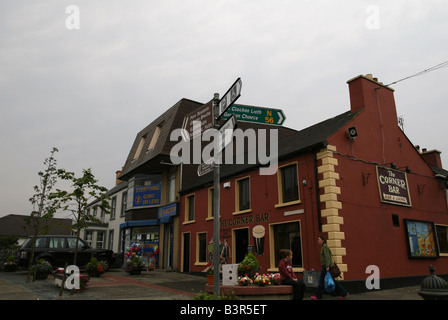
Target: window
[(88, 237), (202, 247), (140, 147), (287, 236), (172, 184), (111, 240), (124, 200), (113, 208), (442, 239), (211, 203), (100, 239), (155, 137), (288, 184), (189, 208), (242, 194)]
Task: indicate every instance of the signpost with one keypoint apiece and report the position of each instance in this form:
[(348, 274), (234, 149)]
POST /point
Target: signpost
[(203, 114), (219, 107), (255, 114)]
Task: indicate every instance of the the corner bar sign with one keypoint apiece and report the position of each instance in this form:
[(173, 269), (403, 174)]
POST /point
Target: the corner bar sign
[(393, 186)]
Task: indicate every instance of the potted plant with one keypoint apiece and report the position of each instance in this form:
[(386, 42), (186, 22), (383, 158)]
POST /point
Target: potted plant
[(210, 274), (10, 264), (42, 269), (95, 268), (249, 266), (134, 265)]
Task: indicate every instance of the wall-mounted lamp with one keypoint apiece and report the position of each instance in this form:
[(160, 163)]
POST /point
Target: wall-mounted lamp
[(406, 169), (392, 165), (365, 178), (352, 133)]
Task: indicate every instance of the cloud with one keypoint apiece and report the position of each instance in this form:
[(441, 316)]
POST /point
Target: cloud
[(89, 91)]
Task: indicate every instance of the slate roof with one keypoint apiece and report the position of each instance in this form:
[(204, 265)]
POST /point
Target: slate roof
[(311, 138), (14, 225)]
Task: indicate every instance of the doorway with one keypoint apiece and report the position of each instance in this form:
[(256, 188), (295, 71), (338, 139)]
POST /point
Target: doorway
[(241, 242), (186, 255)]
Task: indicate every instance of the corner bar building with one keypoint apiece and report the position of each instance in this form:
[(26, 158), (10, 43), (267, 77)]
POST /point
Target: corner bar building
[(355, 178)]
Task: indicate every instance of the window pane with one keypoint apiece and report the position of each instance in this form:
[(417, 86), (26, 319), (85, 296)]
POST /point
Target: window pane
[(290, 184), (190, 208), (244, 193), (287, 236), (442, 238), (202, 247)]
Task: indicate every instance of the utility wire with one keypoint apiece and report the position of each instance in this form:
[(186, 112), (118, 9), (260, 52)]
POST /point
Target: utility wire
[(439, 66)]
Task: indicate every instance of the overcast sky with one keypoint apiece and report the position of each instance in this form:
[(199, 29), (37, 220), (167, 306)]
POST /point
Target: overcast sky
[(87, 76)]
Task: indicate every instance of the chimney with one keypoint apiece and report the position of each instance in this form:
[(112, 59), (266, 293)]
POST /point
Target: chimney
[(432, 157), (372, 96), (117, 174)]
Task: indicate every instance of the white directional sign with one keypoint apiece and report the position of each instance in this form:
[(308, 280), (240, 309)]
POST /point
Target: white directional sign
[(230, 96), (205, 167)]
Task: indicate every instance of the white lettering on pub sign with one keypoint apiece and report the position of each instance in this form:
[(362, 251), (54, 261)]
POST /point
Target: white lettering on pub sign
[(393, 186)]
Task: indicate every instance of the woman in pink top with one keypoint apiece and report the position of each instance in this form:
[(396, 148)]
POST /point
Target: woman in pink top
[(288, 276)]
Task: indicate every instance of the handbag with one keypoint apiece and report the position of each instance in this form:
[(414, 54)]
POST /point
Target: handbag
[(329, 285), (334, 270)]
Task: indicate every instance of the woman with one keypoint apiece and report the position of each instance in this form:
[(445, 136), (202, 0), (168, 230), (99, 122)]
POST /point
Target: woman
[(326, 260), (287, 275)]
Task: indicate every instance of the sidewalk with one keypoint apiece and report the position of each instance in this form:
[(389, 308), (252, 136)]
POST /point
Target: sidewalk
[(150, 285)]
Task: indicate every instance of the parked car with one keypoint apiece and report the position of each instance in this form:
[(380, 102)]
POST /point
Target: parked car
[(58, 250)]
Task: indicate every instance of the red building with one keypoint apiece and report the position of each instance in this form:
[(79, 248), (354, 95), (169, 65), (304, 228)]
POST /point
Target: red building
[(355, 178)]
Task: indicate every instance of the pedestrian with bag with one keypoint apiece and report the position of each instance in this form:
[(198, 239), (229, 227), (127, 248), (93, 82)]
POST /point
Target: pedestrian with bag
[(287, 275), (326, 259)]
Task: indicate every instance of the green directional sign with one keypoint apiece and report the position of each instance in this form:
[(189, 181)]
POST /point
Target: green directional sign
[(255, 114)]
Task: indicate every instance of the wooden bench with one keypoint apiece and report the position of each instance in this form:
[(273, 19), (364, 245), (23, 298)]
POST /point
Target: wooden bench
[(269, 292)]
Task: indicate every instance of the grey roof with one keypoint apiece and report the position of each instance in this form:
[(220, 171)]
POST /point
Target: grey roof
[(15, 225)]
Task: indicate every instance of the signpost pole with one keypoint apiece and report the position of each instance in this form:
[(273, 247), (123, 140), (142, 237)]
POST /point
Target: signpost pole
[(216, 201)]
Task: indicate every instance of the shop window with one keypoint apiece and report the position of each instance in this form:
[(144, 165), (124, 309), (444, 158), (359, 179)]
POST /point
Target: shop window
[(189, 208), (201, 254), (287, 236), (242, 195), (442, 239), (288, 184)]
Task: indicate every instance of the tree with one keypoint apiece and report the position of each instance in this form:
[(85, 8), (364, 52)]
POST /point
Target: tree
[(83, 191), (43, 209)]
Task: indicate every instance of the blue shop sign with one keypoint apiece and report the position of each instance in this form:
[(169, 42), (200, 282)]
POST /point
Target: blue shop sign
[(147, 195), (168, 211)]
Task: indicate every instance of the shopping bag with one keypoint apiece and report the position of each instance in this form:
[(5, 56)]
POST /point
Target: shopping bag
[(329, 285)]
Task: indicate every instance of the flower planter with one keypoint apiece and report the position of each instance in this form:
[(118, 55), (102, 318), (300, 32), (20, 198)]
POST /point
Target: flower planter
[(9, 267), (41, 276), (135, 271), (210, 279)]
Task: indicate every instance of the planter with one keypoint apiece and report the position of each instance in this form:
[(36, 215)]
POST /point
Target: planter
[(94, 273), (41, 276), (10, 268), (210, 279), (135, 272)]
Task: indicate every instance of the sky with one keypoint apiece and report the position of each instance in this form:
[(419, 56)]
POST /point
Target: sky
[(86, 76)]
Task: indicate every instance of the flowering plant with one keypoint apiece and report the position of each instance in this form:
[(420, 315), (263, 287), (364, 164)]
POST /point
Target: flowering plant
[(134, 264), (261, 279), (42, 266), (10, 264), (210, 269), (248, 265), (95, 267), (245, 280), (274, 278)]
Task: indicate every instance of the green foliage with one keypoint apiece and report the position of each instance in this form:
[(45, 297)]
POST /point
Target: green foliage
[(228, 295), (248, 264)]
